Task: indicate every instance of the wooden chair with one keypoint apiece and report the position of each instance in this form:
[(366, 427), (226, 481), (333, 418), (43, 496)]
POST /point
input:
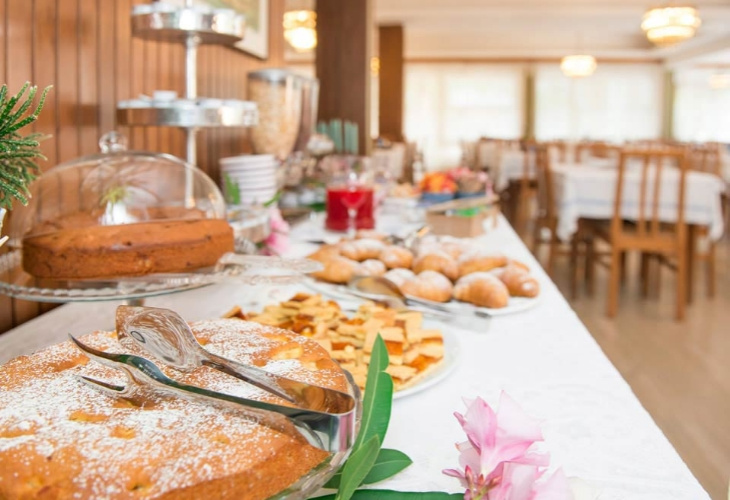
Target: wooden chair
[(526, 186), (546, 222), (706, 158), (664, 242)]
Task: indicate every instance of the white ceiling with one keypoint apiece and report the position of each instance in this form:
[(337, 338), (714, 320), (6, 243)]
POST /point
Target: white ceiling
[(546, 29)]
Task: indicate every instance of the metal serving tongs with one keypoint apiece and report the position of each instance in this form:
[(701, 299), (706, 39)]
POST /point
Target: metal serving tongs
[(332, 432), (165, 335)]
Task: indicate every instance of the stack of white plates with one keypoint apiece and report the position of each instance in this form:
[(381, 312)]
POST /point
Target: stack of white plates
[(255, 176)]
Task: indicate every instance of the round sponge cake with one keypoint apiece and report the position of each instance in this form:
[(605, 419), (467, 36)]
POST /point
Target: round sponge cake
[(61, 439)]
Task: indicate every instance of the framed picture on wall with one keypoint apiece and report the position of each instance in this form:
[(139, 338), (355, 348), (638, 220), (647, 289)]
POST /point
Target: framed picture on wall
[(256, 12)]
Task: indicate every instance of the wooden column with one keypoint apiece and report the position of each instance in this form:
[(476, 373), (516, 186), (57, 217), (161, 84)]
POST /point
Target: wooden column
[(391, 82), (343, 63)]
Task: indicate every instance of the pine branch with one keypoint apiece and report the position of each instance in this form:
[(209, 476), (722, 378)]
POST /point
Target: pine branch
[(18, 153)]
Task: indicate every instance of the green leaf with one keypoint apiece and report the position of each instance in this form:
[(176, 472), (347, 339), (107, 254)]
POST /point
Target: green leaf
[(398, 495), (274, 200), (233, 191), (378, 396), (388, 464), (357, 467)]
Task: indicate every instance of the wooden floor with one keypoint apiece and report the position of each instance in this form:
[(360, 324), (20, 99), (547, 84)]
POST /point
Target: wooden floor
[(679, 371)]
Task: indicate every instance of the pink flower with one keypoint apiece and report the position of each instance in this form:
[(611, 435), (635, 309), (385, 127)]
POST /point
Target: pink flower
[(277, 242), (498, 459)]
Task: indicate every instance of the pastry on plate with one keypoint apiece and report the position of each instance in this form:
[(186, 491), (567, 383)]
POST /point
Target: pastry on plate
[(473, 262), (394, 257), (371, 267), (360, 250), (518, 281), (439, 262), (519, 264), (482, 289), (399, 276), (325, 253), (370, 234), (429, 285), (337, 270)]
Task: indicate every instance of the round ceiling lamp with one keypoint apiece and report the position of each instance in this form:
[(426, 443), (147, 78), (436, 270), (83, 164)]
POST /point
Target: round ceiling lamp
[(300, 29), (578, 65), (669, 25), (719, 81)]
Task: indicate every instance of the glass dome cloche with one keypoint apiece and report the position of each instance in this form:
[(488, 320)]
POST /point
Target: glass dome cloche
[(115, 187), (121, 213)]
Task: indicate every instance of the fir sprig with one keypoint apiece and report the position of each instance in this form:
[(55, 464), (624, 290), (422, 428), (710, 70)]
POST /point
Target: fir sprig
[(18, 153)]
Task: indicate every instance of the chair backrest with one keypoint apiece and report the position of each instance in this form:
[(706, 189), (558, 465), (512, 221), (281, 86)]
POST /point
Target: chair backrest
[(545, 187), (653, 167), (706, 158), (595, 149)]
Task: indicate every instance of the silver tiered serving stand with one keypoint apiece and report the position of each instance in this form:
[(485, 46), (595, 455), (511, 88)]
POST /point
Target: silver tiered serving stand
[(192, 27)]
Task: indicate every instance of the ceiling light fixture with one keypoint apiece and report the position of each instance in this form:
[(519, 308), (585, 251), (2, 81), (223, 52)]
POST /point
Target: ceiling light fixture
[(719, 81), (300, 29), (669, 25), (578, 65)]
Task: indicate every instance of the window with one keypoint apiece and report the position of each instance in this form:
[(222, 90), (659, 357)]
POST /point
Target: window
[(446, 103), (701, 113), (617, 103)]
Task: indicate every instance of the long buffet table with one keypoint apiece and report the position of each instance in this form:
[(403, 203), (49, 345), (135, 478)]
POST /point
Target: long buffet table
[(544, 358)]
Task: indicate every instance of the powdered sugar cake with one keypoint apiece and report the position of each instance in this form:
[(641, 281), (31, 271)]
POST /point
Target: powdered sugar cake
[(61, 439)]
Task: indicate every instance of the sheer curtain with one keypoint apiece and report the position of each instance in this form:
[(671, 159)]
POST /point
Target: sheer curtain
[(618, 102), (701, 113), (446, 103)]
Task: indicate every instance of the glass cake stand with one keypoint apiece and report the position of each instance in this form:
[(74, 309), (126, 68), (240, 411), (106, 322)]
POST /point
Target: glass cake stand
[(232, 268)]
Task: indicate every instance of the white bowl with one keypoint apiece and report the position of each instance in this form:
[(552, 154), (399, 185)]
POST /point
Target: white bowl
[(247, 160)]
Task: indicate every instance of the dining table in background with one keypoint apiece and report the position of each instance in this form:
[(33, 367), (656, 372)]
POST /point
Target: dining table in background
[(589, 191), (594, 426)]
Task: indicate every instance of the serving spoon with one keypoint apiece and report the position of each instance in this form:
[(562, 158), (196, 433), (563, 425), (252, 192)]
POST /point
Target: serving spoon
[(380, 289)]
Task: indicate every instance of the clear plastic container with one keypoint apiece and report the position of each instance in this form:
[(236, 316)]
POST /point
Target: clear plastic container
[(278, 94)]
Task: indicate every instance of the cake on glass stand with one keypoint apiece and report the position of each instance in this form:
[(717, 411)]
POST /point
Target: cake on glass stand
[(127, 190)]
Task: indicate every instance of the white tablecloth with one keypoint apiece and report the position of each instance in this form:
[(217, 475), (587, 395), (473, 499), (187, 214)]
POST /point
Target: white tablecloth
[(594, 426), (589, 192)]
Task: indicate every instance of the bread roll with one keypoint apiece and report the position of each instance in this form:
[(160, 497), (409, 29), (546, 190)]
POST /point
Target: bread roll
[(371, 267), (360, 250), (480, 262), (399, 276), (482, 289), (325, 253), (394, 257), (429, 285), (519, 282), (439, 262), (337, 270)]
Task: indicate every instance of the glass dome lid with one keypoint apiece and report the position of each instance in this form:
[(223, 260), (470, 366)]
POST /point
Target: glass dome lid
[(114, 187)]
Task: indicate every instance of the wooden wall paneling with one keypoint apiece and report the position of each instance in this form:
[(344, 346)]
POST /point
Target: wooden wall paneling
[(122, 59), (67, 84), (343, 63), (390, 105), (6, 304), (66, 91), (138, 72), (163, 83), (88, 94), (177, 74), (85, 49), (151, 135), (106, 79), (19, 56)]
